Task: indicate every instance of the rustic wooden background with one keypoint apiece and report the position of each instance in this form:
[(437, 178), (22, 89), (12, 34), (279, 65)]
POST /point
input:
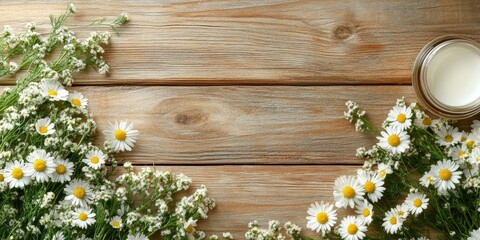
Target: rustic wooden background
[(247, 97)]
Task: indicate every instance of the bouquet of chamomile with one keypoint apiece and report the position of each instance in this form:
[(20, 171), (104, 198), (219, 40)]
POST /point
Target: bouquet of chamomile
[(54, 182), (419, 181)]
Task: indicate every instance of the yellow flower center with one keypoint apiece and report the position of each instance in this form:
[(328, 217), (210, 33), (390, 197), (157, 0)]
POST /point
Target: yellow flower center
[(39, 165), (348, 192), (427, 121), (470, 144), (429, 179), (116, 224), (79, 192), (401, 118), (94, 160), (383, 172), (460, 154), (417, 202), (445, 174), (43, 129), (393, 140), (83, 216), (393, 220), (400, 212), (369, 187), (17, 173), (2, 178), (448, 138), (61, 169), (190, 229), (322, 218), (478, 159), (120, 135), (76, 102), (366, 212), (52, 93), (352, 229), (463, 139)]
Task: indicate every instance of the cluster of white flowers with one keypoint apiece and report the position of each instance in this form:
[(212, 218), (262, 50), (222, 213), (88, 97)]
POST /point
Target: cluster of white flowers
[(355, 115), (273, 232)]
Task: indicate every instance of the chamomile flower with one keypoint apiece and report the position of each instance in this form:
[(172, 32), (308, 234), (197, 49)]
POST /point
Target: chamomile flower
[(137, 236), (423, 120), (427, 179), (63, 171), (475, 156), (448, 136), (446, 174), (416, 202), (189, 226), (116, 222), (120, 136), (39, 165), (352, 228), (372, 184), (78, 192), (384, 170), (474, 235), (83, 217), (473, 139), (44, 126), (402, 210), (400, 117), (54, 90), (95, 159), (77, 100), (322, 217), (15, 174), (347, 192), (392, 222), (469, 170), (365, 212), (394, 140), (459, 153)]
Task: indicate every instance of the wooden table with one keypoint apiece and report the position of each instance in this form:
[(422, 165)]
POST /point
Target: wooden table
[(247, 97)]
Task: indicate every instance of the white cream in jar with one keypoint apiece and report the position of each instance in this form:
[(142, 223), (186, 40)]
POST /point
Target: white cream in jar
[(446, 77)]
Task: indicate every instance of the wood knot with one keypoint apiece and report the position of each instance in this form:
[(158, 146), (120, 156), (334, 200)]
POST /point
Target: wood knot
[(190, 118), (344, 31)]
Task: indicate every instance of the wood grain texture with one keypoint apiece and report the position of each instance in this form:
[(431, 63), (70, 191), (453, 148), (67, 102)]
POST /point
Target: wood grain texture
[(242, 125), (263, 193), (301, 42)]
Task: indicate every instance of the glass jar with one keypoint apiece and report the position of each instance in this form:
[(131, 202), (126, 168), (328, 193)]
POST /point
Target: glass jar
[(446, 77)]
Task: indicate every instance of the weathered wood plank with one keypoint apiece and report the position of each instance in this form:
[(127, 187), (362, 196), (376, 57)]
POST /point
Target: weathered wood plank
[(263, 42), (242, 125), (263, 193)]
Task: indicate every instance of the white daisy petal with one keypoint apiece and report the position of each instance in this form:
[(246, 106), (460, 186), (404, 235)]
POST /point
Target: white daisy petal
[(352, 228), (120, 137), (44, 126), (77, 100), (53, 90), (322, 217), (83, 217), (394, 140), (79, 193), (347, 192)]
